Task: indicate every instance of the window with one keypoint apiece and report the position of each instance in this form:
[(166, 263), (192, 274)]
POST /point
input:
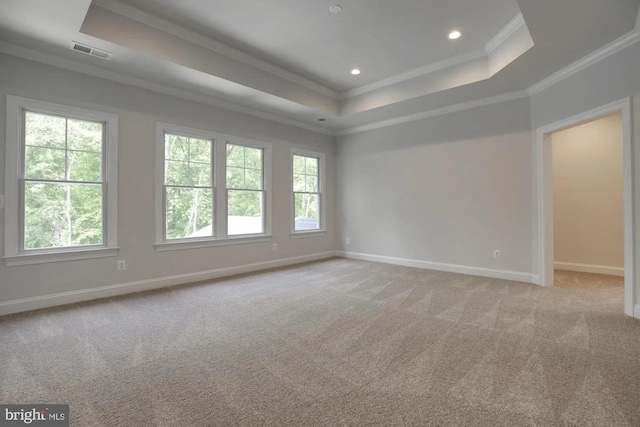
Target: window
[(191, 209), (61, 183), (245, 190), (188, 187), (308, 204)]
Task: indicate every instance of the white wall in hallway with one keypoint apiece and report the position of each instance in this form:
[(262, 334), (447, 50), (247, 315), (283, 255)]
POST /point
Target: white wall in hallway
[(588, 193)]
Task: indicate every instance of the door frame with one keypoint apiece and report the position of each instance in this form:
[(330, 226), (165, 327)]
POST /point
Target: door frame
[(544, 181)]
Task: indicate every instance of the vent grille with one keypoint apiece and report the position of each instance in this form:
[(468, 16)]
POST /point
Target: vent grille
[(79, 47)]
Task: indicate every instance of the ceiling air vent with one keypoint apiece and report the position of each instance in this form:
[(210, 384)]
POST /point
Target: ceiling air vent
[(90, 50)]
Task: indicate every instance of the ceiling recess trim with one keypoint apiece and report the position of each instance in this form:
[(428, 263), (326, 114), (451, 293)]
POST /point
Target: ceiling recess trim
[(510, 96), (511, 28), (209, 43), (161, 24), (621, 43), (68, 64), (417, 72), (617, 45), (503, 35)]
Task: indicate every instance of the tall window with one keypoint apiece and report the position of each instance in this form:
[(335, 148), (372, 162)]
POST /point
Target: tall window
[(188, 187), (63, 182), (210, 189), (307, 191), (63, 193), (245, 190)]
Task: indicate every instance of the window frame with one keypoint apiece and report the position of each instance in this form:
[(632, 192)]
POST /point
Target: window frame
[(265, 147), (322, 230), (161, 204), (219, 237), (14, 252)]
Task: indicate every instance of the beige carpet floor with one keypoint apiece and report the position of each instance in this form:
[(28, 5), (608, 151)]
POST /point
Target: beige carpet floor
[(335, 343)]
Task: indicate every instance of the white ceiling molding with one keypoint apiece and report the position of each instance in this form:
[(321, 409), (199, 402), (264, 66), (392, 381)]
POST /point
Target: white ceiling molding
[(512, 27), (418, 72), (590, 59), (67, 64), (436, 112), (209, 43), (158, 23), (621, 43)]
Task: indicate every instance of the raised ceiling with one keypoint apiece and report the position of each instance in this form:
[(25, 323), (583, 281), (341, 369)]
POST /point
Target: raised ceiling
[(382, 38), (290, 60)]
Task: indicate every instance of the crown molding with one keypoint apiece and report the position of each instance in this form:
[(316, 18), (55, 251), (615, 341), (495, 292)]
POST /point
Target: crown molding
[(594, 57), (417, 72), (514, 25), (68, 64), (510, 96), (617, 45), (209, 43)]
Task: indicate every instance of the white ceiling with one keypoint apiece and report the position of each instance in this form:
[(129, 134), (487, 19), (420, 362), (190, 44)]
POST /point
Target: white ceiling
[(289, 60), (382, 38)]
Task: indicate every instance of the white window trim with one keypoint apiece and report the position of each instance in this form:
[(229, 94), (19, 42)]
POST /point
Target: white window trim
[(266, 176), (321, 190), (220, 237), (13, 255)]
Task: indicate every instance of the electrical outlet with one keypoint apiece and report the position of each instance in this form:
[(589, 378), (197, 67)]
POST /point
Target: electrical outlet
[(348, 241), (496, 254), (1, 201), (122, 265), (275, 247)]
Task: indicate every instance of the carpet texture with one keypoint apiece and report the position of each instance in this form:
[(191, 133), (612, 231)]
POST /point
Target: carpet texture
[(335, 343)]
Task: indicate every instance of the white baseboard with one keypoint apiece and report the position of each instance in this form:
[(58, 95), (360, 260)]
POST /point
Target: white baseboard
[(26, 304), (636, 311), (452, 268), (589, 268)]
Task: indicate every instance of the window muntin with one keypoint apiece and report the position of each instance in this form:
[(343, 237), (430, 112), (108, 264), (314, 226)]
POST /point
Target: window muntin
[(188, 187), (245, 190), (63, 187), (306, 193), (193, 172)]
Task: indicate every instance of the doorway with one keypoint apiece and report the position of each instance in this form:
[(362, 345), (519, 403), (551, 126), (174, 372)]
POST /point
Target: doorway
[(545, 195)]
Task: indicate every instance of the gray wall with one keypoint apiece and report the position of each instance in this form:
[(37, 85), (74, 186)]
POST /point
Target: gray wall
[(447, 189), (453, 188), (138, 111), (612, 79)]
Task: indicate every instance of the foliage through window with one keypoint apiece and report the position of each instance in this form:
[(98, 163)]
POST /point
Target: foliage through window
[(188, 187), (209, 187), (64, 182), (306, 193), (245, 190)]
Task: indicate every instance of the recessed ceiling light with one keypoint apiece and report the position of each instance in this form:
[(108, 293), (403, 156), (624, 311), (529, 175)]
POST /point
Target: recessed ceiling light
[(335, 9), (454, 35), (355, 71)]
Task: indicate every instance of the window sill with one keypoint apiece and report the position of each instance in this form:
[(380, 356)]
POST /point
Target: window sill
[(304, 234), (229, 241), (61, 256)]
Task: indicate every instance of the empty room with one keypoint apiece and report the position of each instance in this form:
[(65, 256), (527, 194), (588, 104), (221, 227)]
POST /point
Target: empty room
[(310, 213)]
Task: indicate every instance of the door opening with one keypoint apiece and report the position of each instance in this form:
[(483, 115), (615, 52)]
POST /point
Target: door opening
[(545, 196), (588, 230)]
